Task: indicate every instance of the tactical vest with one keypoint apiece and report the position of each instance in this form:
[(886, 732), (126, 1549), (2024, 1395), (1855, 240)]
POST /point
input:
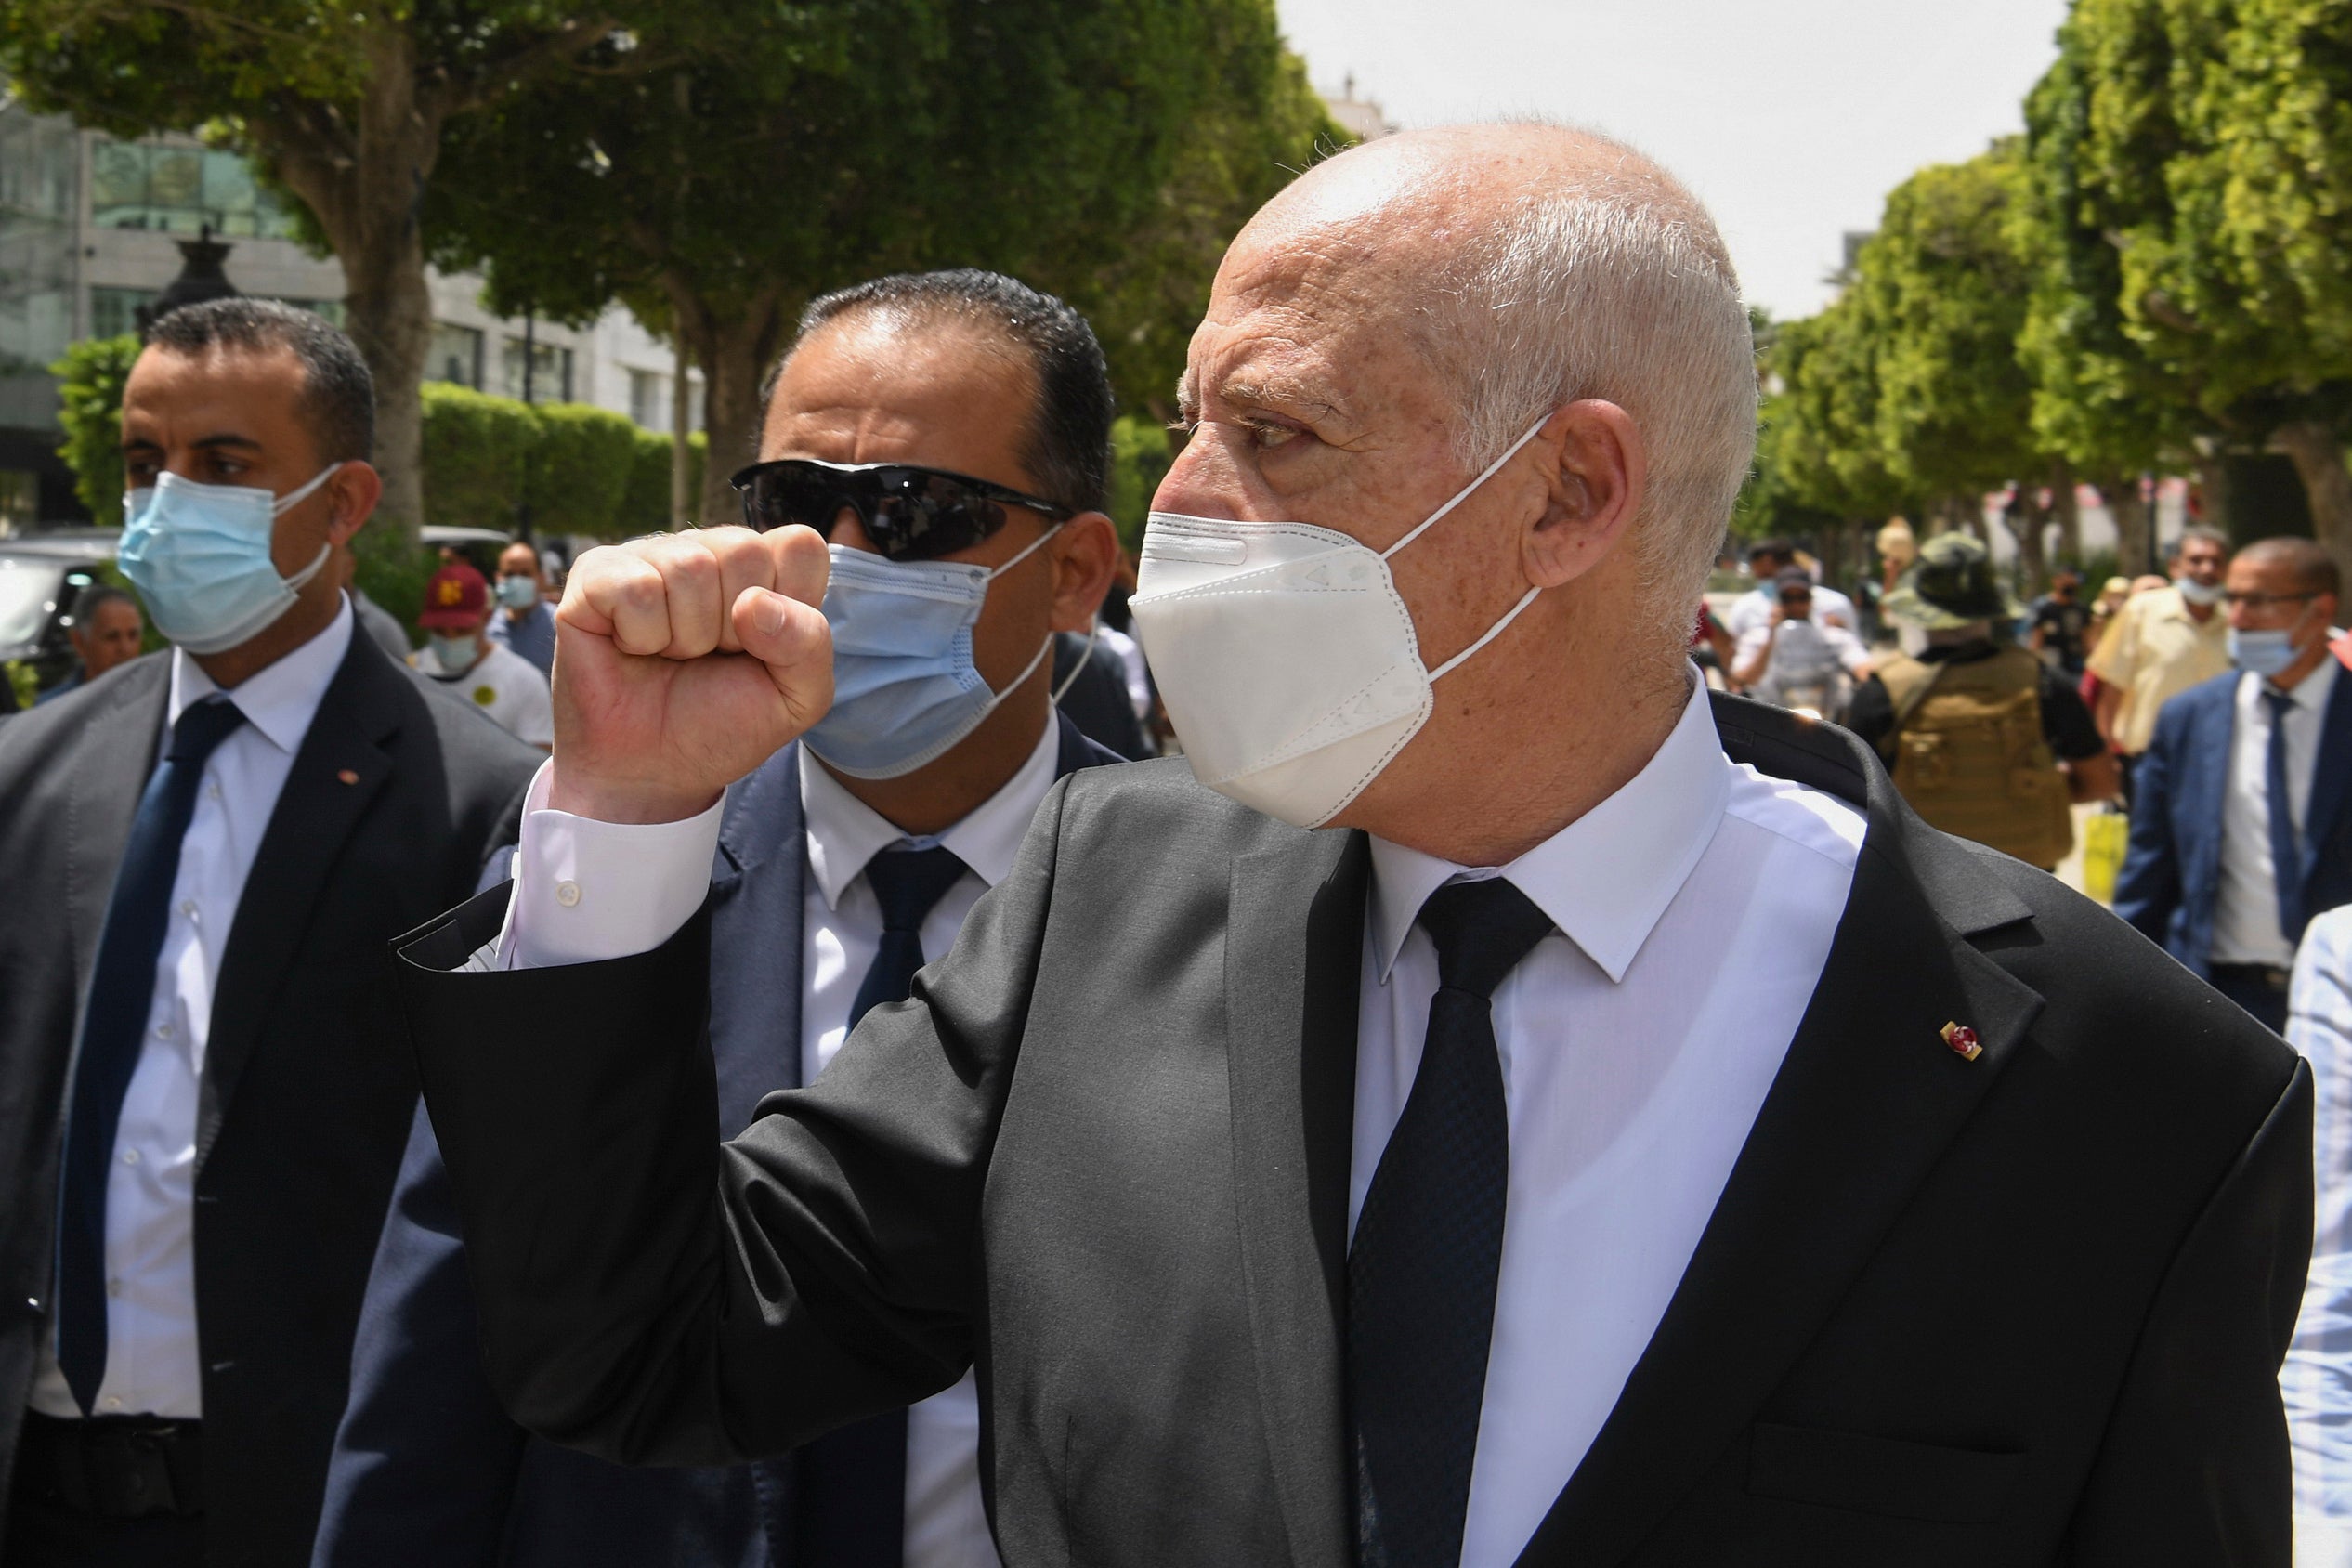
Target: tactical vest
[(1968, 753)]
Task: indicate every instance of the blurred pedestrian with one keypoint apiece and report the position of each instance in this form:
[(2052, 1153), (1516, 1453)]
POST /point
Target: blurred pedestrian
[(2058, 624), (460, 654), (2317, 1379), (105, 632), (1984, 739), (1795, 660), (210, 848), (376, 623), (844, 862), (1756, 608), (2238, 828), (2162, 642), (524, 622), (1089, 685)]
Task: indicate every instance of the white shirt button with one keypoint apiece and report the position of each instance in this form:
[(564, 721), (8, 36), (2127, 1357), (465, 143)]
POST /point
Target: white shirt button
[(566, 893), (187, 907), (213, 789), (113, 1402), (130, 1157), (163, 1031), (114, 1287)]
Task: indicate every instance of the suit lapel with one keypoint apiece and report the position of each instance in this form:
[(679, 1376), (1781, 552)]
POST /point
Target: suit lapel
[(100, 808), (1864, 1105), (2331, 774), (757, 885), (338, 772), (1293, 957)]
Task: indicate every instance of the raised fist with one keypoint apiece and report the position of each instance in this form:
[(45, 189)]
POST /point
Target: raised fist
[(683, 663)]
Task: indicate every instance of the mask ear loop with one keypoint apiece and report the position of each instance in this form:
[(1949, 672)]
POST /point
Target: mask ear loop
[(294, 498), (1093, 627), (1467, 490)]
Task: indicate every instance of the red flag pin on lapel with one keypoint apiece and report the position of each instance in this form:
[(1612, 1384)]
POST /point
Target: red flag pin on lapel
[(349, 776), (1963, 1039)]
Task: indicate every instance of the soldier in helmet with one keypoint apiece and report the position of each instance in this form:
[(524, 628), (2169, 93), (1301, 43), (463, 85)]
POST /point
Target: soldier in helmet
[(1984, 739)]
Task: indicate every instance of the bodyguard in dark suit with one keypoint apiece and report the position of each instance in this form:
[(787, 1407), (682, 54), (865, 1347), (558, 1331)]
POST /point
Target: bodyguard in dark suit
[(1525, 1112), (2238, 828), (204, 1092), (428, 1468)]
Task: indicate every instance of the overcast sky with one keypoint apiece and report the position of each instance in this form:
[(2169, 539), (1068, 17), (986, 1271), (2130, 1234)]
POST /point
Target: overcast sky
[(1790, 118)]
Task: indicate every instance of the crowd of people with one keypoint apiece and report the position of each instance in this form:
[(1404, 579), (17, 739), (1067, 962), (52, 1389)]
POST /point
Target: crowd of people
[(1491, 1098)]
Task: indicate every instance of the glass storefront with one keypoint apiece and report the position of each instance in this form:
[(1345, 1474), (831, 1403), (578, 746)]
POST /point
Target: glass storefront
[(550, 372), (37, 186), (173, 189)]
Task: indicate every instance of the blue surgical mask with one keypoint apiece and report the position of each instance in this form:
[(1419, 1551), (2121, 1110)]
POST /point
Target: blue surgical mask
[(453, 656), (198, 556), (2265, 653), (517, 593), (904, 688)]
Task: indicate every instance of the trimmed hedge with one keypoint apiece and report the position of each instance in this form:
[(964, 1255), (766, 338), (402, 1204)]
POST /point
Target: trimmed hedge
[(478, 453)]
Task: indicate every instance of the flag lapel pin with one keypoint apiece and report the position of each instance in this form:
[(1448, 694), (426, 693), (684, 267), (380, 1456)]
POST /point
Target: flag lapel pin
[(349, 776), (1963, 1041)]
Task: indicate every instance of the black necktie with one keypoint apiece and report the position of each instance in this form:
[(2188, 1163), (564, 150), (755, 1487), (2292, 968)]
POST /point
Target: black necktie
[(113, 1030), (1429, 1243), (2286, 848), (852, 1509)]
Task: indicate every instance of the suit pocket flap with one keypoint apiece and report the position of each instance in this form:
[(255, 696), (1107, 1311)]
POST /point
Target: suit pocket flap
[(1881, 1475)]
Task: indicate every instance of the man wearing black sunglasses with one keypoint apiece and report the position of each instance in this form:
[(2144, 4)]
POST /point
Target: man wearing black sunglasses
[(946, 434)]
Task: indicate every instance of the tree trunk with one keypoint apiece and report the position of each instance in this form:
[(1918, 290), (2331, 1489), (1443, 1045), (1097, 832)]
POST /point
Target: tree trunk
[(681, 449), (2066, 505), (734, 351), (2025, 523), (2134, 527), (2212, 488), (364, 181), (2327, 484)]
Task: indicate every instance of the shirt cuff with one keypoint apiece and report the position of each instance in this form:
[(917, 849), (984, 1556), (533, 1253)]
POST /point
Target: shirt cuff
[(587, 891)]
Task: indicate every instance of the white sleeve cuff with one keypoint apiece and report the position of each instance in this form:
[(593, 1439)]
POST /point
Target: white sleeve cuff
[(586, 890)]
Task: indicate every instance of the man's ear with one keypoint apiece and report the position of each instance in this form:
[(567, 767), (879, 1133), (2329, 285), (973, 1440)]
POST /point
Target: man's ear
[(1085, 554), (352, 495), (1596, 488)]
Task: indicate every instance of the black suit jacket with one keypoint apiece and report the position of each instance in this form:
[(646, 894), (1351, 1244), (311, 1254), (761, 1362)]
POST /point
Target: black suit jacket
[(2025, 1309), (393, 801), (428, 1468)]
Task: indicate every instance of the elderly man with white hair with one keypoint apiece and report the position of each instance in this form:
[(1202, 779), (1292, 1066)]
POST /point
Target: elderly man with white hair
[(1488, 1103)]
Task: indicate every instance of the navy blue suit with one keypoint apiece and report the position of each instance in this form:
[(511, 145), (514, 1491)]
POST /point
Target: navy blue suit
[(2172, 874), (427, 1467)]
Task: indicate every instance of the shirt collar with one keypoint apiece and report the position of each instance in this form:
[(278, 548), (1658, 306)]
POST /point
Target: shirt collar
[(279, 700), (1607, 878), (844, 832)]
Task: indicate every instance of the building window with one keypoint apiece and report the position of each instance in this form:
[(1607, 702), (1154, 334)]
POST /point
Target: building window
[(177, 189), (115, 311), (20, 499), (649, 399), (38, 163), (550, 372), (456, 356)]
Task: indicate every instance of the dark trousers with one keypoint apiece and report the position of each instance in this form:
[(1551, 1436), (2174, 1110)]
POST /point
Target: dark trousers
[(2259, 994), (42, 1537)]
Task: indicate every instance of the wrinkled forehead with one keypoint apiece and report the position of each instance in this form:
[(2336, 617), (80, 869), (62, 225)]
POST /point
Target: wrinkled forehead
[(1328, 311)]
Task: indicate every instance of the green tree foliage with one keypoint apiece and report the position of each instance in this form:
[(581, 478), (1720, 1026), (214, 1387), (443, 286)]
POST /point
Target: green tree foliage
[(345, 108), (90, 381), (1141, 456), (1103, 151), (2211, 148)]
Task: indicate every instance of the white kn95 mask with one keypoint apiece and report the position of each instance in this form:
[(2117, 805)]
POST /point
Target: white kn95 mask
[(1285, 655)]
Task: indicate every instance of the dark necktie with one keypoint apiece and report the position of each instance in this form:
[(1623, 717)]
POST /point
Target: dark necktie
[(852, 1505), (2286, 848), (1429, 1243), (114, 1028)]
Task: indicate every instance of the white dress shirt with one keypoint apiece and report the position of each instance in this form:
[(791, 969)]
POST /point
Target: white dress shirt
[(1699, 903), (2246, 903), (1695, 908), (1754, 608), (2317, 1379), (585, 888), (152, 1341)]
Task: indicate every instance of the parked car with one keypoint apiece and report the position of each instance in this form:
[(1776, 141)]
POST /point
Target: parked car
[(41, 576)]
